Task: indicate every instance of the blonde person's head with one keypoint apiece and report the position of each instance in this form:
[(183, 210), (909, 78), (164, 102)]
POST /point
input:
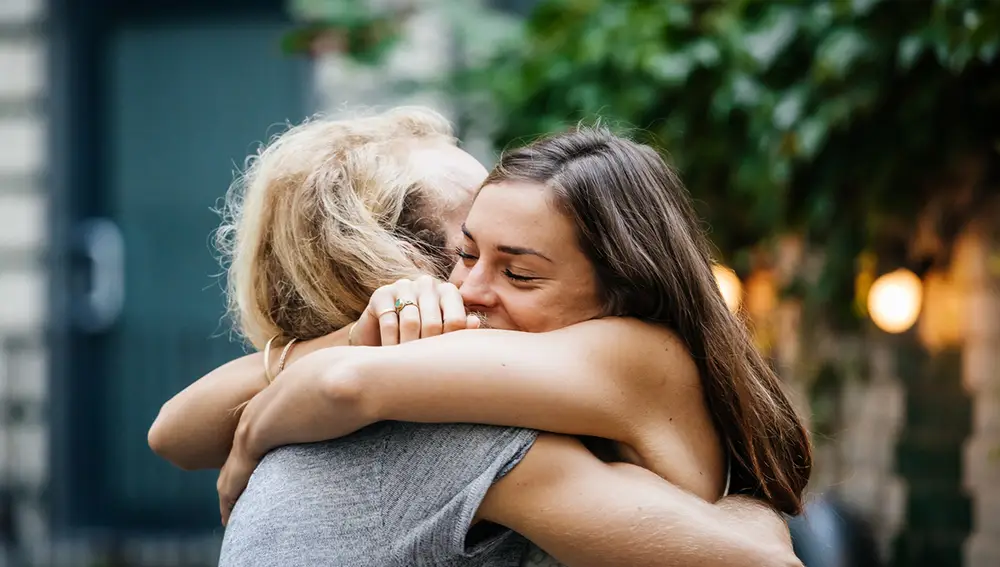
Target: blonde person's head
[(332, 209)]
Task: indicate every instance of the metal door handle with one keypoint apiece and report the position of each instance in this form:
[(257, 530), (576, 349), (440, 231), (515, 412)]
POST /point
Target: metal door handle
[(103, 248)]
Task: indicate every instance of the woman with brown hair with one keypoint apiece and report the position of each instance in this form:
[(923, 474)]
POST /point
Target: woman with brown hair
[(587, 242)]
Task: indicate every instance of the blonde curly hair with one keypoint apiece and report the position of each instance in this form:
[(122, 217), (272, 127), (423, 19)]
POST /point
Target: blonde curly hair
[(326, 213)]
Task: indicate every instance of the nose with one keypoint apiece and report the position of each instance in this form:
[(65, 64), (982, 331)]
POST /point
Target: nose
[(477, 289)]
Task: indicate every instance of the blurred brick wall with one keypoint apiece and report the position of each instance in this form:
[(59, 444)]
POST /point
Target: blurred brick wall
[(980, 252), (872, 415), (23, 292)]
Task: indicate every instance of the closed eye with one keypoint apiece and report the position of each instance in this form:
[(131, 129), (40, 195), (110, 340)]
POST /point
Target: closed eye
[(517, 277), (465, 255)]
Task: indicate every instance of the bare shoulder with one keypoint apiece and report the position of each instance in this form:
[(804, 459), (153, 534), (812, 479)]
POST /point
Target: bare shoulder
[(540, 477), (650, 356), (671, 429), (766, 523), (551, 459)]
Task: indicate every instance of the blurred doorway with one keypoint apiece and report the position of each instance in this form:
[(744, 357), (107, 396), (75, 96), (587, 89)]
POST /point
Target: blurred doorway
[(156, 103)]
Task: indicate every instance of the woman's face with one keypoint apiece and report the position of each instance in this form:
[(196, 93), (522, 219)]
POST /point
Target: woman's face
[(520, 264)]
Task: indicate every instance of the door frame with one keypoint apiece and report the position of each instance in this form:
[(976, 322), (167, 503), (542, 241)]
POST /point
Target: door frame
[(78, 35)]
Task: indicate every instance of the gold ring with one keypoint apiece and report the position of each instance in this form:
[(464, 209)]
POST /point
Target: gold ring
[(385, 312), (403, 304)]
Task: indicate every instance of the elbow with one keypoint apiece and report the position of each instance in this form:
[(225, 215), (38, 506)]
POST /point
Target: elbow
[(161, 441), (158, 438), (779, 556)]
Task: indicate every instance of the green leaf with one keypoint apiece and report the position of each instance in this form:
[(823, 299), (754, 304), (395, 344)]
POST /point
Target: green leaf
[(679, 15), (863, 7), (747, 92), (670, 68), (704, 52), (988, 51), (789, 109), (909, 50), (971, 20), (960, 57), (812, 133), (838, 53), (770, 39), (819, 17), (339, 11)]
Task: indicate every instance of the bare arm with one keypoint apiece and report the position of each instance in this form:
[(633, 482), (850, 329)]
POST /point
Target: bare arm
[(587, 513), (587, 379), (194, 429), (601, 378)]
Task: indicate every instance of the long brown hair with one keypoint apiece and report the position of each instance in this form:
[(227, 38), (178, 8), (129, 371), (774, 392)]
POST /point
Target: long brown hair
[(636, 223)]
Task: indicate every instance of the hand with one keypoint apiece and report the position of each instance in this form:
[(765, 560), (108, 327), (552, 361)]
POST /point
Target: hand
[(302, 407), (409, 310), (233, 479)]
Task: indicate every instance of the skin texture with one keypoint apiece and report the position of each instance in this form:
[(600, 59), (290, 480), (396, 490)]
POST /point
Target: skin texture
[(623, 515), (554, 510), (582, 511), (520, 264), (602, 378), (194, 429)]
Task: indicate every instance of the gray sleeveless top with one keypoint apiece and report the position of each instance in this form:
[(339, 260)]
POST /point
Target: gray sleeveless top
[(392, 495)]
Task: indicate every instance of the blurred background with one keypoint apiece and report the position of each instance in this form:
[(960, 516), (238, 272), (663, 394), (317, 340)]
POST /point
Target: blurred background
[(843, 153)]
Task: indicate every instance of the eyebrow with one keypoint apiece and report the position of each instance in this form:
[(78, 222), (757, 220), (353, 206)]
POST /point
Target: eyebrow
[(507, 249)]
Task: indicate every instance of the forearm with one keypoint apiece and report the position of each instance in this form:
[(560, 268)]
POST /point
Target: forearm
[(662, 525), (339, 391), (545, 381), (194, 429), (303, 406), (590, 514)]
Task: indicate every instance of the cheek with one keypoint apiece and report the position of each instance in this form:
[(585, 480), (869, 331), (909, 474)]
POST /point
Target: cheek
[(542, 311)]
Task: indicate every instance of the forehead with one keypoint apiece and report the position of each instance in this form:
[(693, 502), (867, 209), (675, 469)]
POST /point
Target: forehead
[(519, 213)]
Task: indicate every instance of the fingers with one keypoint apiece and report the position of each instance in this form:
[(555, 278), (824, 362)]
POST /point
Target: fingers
[(225, 508), (381, 307), (409, 313), (430, 307), (233, 479), (226, 502), (452, 308)]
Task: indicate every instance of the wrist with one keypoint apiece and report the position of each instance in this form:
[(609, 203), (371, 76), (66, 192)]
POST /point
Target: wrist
[(241, 439), (246, 438)]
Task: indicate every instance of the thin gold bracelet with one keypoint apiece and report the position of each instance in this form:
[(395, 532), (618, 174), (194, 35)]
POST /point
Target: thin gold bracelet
[(267, 360), (350, 334), (284, 355)]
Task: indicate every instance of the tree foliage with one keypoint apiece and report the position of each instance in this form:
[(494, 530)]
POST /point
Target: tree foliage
[(839, 119), (358, 28)]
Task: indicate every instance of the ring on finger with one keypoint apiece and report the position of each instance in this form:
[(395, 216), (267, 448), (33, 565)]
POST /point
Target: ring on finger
[(402, 304), (386, 312)]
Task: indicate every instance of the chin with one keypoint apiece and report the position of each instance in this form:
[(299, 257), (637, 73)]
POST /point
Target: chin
[(488, 322), (484, 320)]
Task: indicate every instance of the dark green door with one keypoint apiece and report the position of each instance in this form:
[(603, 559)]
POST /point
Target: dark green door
[(185, 99)]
